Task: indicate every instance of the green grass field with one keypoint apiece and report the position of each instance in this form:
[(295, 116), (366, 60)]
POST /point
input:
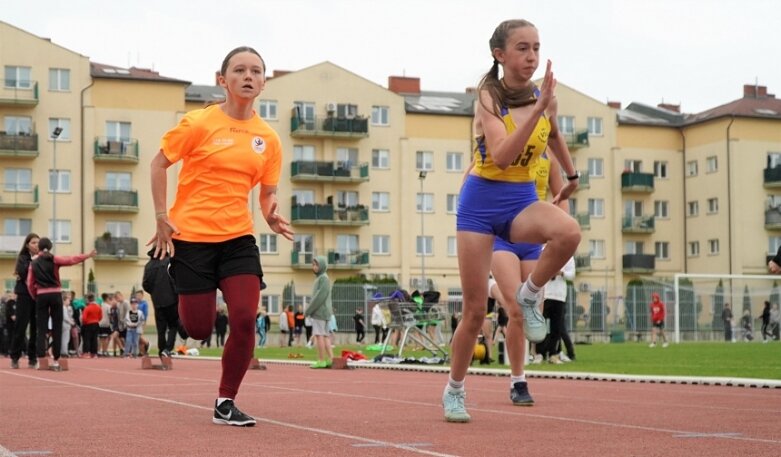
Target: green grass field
[(745, 360)]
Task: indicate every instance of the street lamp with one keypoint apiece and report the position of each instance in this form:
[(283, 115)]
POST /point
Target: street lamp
[(55, 134), (422, 177)]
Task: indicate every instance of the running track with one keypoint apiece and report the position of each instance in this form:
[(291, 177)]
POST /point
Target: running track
[(110, 407)]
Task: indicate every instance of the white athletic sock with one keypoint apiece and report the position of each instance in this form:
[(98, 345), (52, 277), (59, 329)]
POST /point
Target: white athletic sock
[(514, 379), (454, 386), (220, 400), (532, 288), (527, 292)]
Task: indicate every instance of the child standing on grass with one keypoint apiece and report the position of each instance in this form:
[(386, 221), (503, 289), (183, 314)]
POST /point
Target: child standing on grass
[(320, 311), (657, 320)]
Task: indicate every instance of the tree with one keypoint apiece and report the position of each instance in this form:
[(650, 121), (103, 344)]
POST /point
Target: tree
[(636, 306)]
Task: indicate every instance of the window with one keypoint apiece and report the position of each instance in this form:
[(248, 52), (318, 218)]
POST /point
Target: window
[(21, 227), (692, 208), (566, 124), (596, 249), (452, 203), (380, 158), (424, 160), (59, 79), (694, 248), (633, 166), (380, 115), (18, 77), (381, 244), (118, 131), (347, 243), (573, 207), (425, 245), (633, 247), (61, 231), (18, 125), (713, 246), (346, 157), (271, 302), (633, 208), (595, 126), (346, 111), (303, 153), (380, 201), (347, 199), (596, 207), (774, 242), (711, 164), (305, 111), (119, 229), (425, 203), (303, 197), (452, 248), (662, 250), (660, 169), (773, 159), (268, 109), (773, 201), (713, 205), (18, 180), (268, 243), (117, 181), (661, 210), (64, 124), (691, 168), (304, 245), (455, 161), (59, 181), (595, 168)]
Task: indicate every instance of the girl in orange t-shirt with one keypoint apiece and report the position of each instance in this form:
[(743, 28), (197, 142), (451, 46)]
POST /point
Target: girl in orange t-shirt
[(226, 150)]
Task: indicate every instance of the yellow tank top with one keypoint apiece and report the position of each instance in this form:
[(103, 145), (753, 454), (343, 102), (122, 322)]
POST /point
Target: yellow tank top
[(520, 169)]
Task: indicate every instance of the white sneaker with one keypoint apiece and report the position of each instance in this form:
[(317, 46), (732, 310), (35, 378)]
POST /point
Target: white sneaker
[(554, 359), (652, 345), (665, 345), (453, 403), (537, 359), (563, 357), (534, 325)]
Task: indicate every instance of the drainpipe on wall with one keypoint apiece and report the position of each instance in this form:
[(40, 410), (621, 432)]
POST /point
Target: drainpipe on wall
[(83, 216), (685, 221), (729, 195)]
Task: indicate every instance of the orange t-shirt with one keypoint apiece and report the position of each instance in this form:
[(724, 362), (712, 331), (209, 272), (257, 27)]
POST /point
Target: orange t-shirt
[(223, 159)]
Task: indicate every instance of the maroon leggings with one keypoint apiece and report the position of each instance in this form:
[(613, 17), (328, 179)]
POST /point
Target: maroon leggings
[(197, 313)]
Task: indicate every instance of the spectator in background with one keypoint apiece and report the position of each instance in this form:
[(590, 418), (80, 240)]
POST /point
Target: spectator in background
[(291, 324), (284, 328), (90, 324), (321, 312), (747, 325), (165, 301), (726, 318), (67, 323), (775, 321), (298, 319), (221, 326), (10, 318), (766, 333), (454, 318), (379, 324), (113, 319), (143, 306), (25, 305), (360, 326), (262, 326), (104, 330), (3, 323), (134, 323), (658, 313)]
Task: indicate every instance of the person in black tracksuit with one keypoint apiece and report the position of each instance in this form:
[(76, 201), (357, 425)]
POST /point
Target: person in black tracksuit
[(25, 305), (165, 301)]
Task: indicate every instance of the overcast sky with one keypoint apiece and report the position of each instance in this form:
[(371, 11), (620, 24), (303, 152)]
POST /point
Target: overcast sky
[(698, 53)]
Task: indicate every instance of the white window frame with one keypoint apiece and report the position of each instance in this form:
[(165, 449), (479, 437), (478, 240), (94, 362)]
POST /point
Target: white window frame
[(596, 249), (691, 168), (346, 157), (18, 180), (305, 110), (595, 126), (304, 196), (566, 124), (380, 116), (381, 202), (661, 209), (596, 167), (693, 208), (63, 231), (452, 203), (119, 131), (61, 179), (381, 159), (272, 304), (452, 246), (347, 198), (268, 243), (713, 205), (633, 166), (693, 249), (711, 164), (20, 227), (64, 124), (59, 79), (18, 125), (660, 169), (774, 242), (662, 250), (713, 246), (773, 159), (304, 153), (380, 244), (454, 162), (119, 180), (424, 161), (22, 77), (596, 207), (427, 246), (119, 229), (634, 247), (424, 202), (268, 110)]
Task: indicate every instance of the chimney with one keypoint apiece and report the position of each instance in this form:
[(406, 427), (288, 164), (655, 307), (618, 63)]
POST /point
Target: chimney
[(750, 90), (670, 107), (471, 90), (761, 91), (278, 73), (616, 105), (404, 85)]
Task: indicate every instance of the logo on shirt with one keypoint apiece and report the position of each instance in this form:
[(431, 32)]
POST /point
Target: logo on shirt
[(258, 145)]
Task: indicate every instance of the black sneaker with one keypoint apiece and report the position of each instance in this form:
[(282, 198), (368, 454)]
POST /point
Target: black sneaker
[(14, 364), (228, 414), (519, 394)]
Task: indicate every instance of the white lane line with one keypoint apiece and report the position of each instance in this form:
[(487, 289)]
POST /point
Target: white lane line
[(322, 431)]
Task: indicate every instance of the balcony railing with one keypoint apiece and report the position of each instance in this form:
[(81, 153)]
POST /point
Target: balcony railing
[(116, 150), (577, 140), (350, 260), (310, 170), (637, 224), (18, 145), (773, 218), (116, 248), (319, 214), (584, 220), (637, 182), (328, 127), (11, 244), (19, 92), (121, 201), (638, 263), (582, 262), (18, 196)]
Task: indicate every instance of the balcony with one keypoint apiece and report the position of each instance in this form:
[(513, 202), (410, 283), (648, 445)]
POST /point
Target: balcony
[(582, 262), (584, 182), (773, 218), (17, 92), (22, 146), (115, 151), (116, 201), (584, 220), (116, 248), (772, 177), (301, 260), (329, 127), (11, 244), (350, 260), (18, 196), (638, 263), (637, 182), (313, 171), (637, 224), (577, 140), (319, 214)]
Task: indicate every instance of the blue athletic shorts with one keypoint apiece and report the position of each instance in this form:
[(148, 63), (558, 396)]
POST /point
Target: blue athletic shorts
[(489, 207), (524, 251)]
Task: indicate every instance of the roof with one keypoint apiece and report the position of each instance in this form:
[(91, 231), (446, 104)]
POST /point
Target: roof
[(641, 114), (104, 71), (206, 94), (449, 103), (767, 107)]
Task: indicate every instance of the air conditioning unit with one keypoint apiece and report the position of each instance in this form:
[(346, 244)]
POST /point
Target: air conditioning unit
[(584, 287), (330, 107)]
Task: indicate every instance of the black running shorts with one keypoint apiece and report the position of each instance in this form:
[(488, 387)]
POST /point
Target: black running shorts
[(198, 267)]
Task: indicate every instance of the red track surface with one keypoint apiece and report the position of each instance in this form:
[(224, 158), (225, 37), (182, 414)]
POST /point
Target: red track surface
[(112, 408)]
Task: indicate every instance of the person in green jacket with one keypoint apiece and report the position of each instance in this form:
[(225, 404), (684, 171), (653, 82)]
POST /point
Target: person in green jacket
[(320, 311)]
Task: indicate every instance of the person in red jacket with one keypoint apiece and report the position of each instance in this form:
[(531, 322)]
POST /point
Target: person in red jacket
[(657, 320), (90, 323)]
